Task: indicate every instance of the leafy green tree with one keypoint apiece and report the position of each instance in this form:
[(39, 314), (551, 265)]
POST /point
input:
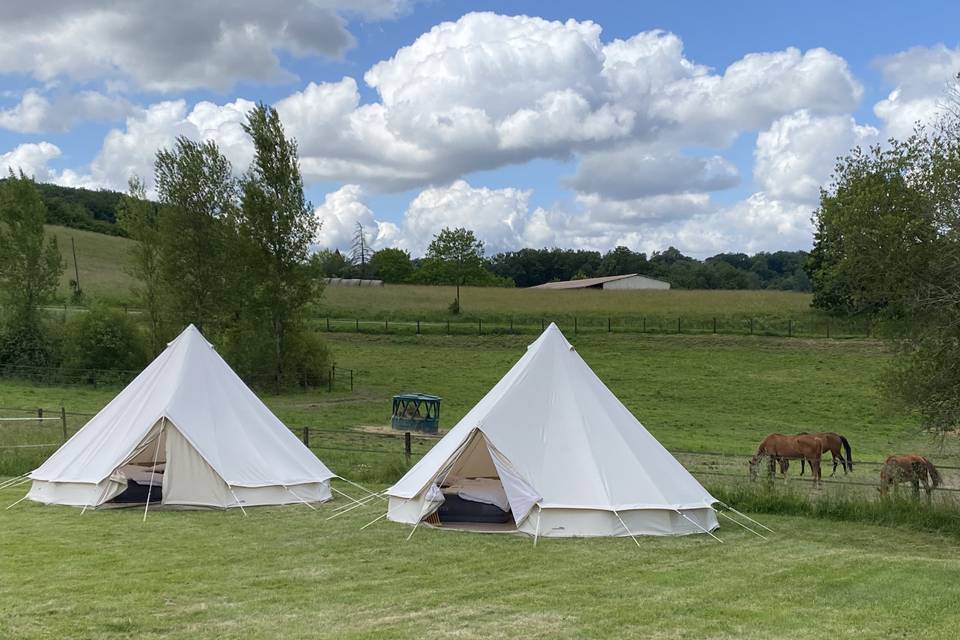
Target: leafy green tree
[(277, 224), (30, 269), (875, 231), (103, 339), (195, 184), (140, 218), (391, 265), (455, 256)]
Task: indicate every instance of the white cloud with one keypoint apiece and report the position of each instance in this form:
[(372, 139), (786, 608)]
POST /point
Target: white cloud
[(639, 171), (175, 45), (35, 113), (30, 158), (920, 76), (339, 214), (797, 154)]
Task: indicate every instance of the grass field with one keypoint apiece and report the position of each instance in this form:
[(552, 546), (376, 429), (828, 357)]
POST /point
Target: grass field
[(101, 260), (290, 573)]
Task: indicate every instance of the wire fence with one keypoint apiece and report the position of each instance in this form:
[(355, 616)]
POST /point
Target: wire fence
[(653, 324), (331, 379), (28, 436)]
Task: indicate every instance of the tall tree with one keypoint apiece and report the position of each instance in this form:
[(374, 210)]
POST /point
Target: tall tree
[(278, 224), (360, 250), (392, 265), (30, 269), (140, 218), (195, 183), (456, 256)]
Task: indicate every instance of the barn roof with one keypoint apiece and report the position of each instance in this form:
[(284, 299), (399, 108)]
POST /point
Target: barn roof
[(589, 282)]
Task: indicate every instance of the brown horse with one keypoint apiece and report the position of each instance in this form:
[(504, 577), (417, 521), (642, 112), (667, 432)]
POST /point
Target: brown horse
[(909, 468), (779, 448), (832, 442)]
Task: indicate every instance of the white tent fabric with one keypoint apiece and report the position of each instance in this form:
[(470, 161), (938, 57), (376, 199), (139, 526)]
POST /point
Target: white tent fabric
[(560, 441), (219, 444)]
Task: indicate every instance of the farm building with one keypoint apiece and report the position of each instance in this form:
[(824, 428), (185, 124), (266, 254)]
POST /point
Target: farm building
[(628, 281)]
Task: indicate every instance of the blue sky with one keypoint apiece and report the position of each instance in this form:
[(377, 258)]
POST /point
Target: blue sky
[(712, 136)]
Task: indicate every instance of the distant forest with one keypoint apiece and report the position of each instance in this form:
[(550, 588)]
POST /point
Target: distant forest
[(96, 211)]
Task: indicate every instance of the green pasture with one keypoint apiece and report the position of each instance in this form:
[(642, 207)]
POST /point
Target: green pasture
[(288, 572)]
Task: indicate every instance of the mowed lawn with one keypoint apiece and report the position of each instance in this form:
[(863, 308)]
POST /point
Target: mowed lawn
[(288, 572)]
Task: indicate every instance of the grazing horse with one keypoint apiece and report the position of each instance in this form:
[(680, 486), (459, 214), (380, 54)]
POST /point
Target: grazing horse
[(832, 442), (909, 468), (779, 448)]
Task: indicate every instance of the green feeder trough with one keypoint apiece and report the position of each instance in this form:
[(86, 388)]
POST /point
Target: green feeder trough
[(416, 412)]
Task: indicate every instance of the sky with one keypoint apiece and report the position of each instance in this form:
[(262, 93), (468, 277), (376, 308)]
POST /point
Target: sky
[(705, 126)]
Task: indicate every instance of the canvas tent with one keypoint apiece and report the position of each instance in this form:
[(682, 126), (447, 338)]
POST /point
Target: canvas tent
[(192, 432), (568, 457)]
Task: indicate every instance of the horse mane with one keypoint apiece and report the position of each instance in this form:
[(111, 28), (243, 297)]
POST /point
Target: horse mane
[(934, 474)]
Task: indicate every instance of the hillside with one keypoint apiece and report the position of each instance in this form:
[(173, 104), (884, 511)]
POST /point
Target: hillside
[(102, 262)]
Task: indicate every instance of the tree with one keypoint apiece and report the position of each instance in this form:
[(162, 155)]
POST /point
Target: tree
[(455, 256), (30, 269), (360, 252), (140, 218), (277, 224), (197, 232), (874, 231), (391, 265)]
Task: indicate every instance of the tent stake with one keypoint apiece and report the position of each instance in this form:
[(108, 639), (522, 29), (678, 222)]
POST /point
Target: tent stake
[(741, 524), (724, 504), (379, 517), (153, 469), (626, 527), (697, 525)]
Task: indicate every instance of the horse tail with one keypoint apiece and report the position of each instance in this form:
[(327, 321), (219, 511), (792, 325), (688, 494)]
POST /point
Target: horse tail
[(934, 474), (846, 448)]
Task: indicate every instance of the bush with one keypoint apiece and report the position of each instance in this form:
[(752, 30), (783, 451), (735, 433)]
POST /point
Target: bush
[(103, 339), (27, 343), (252, 354)]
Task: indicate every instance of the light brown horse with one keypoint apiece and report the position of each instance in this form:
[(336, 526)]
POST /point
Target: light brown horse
[(832, 442), (911, 468), (779, 448)]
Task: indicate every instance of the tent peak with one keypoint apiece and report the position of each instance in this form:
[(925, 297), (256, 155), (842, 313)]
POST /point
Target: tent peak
[(190, 333)]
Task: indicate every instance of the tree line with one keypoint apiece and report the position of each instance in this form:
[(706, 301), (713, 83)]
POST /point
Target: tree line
[(784, 270), (230, 255)]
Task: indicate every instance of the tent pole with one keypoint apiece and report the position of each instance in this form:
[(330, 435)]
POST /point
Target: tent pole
[(379, 517), (724, 504), (626, 528), (298, 497), (741, 524), (153, 469), (698, 525)]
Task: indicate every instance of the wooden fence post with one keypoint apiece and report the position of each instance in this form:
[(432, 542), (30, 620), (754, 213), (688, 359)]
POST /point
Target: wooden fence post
[(407, 449), (608, 324), (714, 324), (351, 379), (386, 326), (330, 380), (789, 327), (511, 325), (40, 415), (479, 327), (751, 325), (358, 325), (644, 329), (306, 437), (63, 422), (328, 324), (418, 326), (678, 324)]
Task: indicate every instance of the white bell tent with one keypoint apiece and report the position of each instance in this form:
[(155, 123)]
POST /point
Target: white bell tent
[(566, 457), (189, 430)]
